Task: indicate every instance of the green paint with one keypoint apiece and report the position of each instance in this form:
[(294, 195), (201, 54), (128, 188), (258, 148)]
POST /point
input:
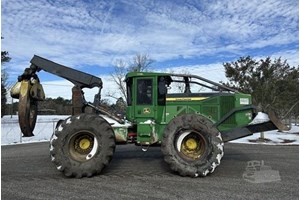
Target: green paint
[(152, 115)]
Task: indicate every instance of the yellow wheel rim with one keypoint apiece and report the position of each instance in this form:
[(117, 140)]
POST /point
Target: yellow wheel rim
[(84, 144), (191, 144)]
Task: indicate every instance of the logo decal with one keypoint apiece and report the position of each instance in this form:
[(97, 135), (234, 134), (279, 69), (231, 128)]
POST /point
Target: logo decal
[(146, 111)]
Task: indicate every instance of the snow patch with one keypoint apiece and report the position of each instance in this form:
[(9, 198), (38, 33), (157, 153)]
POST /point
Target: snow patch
[(60, 128), (114, 123), (214, 165), (52, 158), (69, 121), (260, 118), (44, 128), (205, 172), (273, 137), (219, 157), (53, 138), (149, 121), (220, 146)]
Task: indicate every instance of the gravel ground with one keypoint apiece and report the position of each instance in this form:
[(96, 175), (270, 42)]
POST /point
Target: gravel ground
[(27, 173)]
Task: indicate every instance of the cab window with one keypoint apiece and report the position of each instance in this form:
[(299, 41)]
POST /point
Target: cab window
[(129, 91), (144, 91)]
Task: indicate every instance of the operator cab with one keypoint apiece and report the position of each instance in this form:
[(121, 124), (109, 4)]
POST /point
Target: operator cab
[(155, 98)]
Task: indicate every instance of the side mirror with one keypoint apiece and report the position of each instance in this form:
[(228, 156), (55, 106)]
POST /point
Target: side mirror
[(162, 89)]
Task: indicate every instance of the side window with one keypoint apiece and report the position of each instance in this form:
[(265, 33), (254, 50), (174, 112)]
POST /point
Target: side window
[(162, 91), (129, 91), (144, 91)]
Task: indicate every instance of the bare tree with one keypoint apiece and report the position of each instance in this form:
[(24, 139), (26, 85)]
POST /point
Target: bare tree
[(141, 62), (118, 76), (180, 87)]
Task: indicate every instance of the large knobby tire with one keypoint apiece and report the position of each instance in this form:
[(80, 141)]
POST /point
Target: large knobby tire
[(82, 145), (192, 146)]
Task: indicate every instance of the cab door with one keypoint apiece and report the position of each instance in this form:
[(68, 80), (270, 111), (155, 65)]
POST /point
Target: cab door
[(145, 109), (144, 98)]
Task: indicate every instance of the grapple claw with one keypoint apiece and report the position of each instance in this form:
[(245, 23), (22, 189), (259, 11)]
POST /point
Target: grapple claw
[(27, 110), (276, 121)]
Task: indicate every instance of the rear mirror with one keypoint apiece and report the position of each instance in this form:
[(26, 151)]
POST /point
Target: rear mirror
[(162, 89)]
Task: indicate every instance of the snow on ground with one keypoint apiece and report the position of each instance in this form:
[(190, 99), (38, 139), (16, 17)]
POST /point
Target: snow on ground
[(44, 128), (274, 137), (11, 133)]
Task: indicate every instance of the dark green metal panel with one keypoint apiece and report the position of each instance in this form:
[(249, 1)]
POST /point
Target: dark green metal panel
[(152, 118)]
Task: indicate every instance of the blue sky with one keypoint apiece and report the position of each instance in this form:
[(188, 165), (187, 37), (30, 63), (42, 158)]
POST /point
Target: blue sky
[(196, 36)]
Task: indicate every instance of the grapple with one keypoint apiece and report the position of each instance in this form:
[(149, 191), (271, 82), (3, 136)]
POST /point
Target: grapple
[(29, 92)]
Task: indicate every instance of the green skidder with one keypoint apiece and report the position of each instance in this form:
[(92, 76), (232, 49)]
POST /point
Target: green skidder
[(189, 116)]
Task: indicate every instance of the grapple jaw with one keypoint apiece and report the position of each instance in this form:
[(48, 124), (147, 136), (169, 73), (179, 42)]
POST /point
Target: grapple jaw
[(29, 92), (277, 122)]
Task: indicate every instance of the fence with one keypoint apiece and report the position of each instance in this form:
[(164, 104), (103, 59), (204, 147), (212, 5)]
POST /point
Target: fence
[(44, 128)]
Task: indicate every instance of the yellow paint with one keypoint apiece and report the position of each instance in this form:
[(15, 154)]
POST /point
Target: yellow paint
[(84, 143), (24, 89), (146, 111), (191, 144), (186, 98)]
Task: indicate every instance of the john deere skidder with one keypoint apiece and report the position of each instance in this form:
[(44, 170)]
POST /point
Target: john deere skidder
[(164, 109)]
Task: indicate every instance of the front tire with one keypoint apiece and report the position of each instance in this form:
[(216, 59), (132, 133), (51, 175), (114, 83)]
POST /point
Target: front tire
[(192, 146), (82, 145)]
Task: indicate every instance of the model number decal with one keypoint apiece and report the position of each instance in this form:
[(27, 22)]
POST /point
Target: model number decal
[(244, 101)]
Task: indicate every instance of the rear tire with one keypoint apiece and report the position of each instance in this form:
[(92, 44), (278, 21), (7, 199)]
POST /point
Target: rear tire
[(192, 146), (82, 145)]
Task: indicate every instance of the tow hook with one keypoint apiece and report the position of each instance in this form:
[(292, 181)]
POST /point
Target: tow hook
[(145, 148)]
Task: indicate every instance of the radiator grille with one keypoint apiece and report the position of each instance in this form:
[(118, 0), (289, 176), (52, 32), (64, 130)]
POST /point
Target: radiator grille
[(227, 104)]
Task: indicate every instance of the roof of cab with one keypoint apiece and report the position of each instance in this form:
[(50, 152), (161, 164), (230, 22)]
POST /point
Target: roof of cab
[(142, 74)]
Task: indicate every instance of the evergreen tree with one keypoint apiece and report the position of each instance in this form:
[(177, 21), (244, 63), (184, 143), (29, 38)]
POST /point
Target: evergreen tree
[(4, 58), (272, 83), (120, 106)]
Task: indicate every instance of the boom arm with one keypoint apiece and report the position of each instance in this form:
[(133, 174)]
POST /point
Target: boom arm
[(28, 104), (78, 78)]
